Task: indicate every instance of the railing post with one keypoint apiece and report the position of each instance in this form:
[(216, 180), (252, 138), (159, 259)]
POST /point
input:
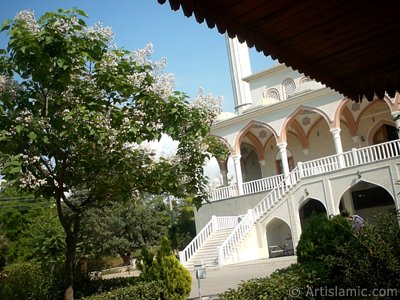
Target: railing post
[(181, 258), (300, 167), (214, 222), (355, 157)]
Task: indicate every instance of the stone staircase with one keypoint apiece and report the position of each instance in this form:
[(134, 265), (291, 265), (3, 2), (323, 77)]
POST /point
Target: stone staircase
[(208, 252)]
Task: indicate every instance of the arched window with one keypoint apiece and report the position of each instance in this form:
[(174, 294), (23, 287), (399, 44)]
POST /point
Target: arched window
[(305, 79), (288, 86), (273, 93)]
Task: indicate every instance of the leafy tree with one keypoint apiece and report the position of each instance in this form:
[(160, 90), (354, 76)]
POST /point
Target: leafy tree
[(76, 113), (18, 211), (123, 227), (183, 228)]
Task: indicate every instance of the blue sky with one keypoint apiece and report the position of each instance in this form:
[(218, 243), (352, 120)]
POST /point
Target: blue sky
[(196, 55)]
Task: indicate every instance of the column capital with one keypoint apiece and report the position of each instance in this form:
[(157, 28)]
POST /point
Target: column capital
[(236, 157), (282, 145), (395, 113), (335, 130)]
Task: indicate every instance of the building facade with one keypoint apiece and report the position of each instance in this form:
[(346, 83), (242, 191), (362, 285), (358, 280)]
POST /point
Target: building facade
[(295, 147)]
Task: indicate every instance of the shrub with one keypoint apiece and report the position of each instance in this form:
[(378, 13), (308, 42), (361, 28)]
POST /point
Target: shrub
[(321, 236), (175, 280), (372, 259), (85, 286), (292, 282), (140, 291), (29, 280)]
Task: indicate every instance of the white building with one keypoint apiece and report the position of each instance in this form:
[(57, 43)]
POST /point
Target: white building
[(296, 147)]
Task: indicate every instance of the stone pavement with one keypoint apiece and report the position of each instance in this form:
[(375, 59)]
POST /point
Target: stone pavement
[(221, 279)]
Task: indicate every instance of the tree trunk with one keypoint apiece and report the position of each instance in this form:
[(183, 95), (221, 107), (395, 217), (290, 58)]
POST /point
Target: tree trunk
[(126, 259), (69, 266)]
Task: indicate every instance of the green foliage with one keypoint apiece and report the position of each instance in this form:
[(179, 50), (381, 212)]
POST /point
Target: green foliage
[(76, 113), (42, 240), (333, 256), (321, 235), (86, 286), (123, 227), (372, 259), (279, 285), (165, 267), (29, 280), (183, 229), (139, 291)]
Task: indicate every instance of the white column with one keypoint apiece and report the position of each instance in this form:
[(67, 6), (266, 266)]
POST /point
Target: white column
[(239, 65), (396, 118), (284, 158), (262, 167), (238, 173), (338, 145)]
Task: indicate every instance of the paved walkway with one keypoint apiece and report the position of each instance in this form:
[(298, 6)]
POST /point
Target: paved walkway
[(221, 279)]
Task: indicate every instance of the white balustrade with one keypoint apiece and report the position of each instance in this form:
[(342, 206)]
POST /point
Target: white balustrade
[(326, 164), (213, 225), (261, 185), (225, 192)]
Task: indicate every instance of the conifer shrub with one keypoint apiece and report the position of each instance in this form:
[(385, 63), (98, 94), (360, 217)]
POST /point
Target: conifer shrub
[(164, 267)]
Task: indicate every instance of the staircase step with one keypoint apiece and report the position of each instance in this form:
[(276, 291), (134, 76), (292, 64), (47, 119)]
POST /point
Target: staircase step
[(208, 252)]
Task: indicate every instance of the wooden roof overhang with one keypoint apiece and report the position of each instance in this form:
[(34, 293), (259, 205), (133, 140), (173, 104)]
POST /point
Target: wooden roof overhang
[(351, 46)]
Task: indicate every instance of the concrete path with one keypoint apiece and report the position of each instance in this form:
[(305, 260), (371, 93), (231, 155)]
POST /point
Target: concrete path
[(221, 279)]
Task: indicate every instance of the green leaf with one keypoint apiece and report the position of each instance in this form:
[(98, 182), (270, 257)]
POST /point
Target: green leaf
[(5, 25), (82, 13), (32, 136), (19, 128)]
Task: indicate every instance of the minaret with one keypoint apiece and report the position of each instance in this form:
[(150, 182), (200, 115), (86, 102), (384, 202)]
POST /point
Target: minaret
[(239, 64)]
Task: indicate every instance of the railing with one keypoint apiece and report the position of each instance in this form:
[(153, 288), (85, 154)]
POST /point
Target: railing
[(326, 164), (315, 167), (224, 193), (263, 184), (246, 224), (212, 226)]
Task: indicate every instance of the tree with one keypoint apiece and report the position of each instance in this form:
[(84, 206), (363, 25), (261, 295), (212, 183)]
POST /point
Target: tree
[(183, 228), (123, 227), (76, 113)]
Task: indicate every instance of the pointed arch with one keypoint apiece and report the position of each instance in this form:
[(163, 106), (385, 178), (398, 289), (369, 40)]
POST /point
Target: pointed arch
[(370, 105), (339, 111), (246, 129), (371, 133), (257, 146), (283, 133), (223, 141), (350, 122), (300, 133), (366, 198)]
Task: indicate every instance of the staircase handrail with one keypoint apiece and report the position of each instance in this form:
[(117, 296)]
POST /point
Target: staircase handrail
[(252, 216), (214, 224), (310, 168)]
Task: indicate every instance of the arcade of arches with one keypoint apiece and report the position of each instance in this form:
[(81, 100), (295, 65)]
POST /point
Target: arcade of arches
[(307, 134)]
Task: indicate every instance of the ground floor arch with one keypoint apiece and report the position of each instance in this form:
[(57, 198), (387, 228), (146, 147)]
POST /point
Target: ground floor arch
[(279, 238), (367, 199), (310, 206)]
